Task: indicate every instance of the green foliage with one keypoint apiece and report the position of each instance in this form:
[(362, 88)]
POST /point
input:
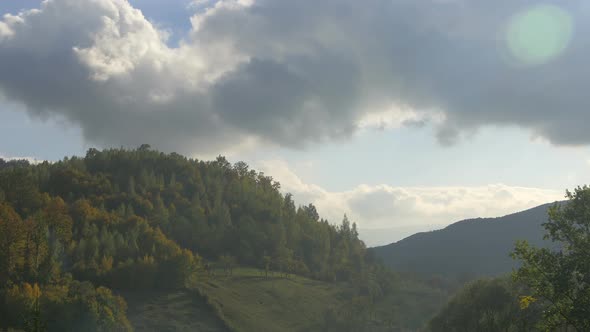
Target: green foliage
[(560, 277), (486, 305), (118, 214), (67, 306)]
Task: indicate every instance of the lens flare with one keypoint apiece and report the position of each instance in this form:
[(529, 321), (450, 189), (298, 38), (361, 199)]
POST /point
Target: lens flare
[(538, 35)]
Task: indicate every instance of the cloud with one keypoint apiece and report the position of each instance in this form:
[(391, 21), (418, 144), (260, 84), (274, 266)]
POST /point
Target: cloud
[(294, 73), (389, 207), (31, 160)]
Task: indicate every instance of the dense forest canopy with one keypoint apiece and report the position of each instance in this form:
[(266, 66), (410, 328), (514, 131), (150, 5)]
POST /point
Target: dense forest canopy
[(72, 230)]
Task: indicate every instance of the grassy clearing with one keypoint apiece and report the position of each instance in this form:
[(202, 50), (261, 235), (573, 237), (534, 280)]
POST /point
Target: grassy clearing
[(412, 305), (171, 311), (251, 302), (247, 301)]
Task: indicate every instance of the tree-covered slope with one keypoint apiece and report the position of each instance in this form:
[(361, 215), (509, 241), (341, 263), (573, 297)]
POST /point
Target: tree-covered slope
[(77, 232), (469, 248)]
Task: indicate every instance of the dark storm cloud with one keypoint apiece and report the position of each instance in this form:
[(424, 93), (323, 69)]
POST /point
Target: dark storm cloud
[(288, 72), (287, 104)]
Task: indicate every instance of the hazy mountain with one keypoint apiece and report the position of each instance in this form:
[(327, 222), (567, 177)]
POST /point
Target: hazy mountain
[(375, 237), (471, 247)]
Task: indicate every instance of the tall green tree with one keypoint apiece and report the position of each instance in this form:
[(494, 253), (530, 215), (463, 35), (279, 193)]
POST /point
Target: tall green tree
[(559, 277), (12, 243)]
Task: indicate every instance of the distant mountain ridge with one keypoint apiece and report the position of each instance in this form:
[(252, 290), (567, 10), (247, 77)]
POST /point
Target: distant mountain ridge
[(472, 247)]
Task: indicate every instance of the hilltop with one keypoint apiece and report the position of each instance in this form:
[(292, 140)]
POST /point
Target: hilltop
[(467, 249), (92, 243)]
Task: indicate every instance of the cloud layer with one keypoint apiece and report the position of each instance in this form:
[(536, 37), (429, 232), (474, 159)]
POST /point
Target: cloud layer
[(409, 209), (292, 72)]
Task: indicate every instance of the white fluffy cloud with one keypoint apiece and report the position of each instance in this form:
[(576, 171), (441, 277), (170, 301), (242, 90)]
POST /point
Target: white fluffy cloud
[(31, 160), (294, 72), (385, 207)]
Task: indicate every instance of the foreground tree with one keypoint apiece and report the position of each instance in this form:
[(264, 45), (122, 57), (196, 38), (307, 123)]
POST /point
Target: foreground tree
[(560, 277), (266, 260), (228, 262), (486, 305)]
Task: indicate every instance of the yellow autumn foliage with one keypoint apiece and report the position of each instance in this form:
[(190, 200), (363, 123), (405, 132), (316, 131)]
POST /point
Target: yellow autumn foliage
[(526, 301)]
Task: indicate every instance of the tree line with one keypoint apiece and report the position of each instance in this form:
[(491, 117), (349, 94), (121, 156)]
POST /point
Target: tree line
[(73, 230)]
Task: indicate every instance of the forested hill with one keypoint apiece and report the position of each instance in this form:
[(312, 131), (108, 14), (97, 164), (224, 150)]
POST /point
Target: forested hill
[(468, 248), (73, 231)]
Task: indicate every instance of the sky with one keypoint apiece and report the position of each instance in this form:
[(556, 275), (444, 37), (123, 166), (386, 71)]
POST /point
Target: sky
[(405, 115)]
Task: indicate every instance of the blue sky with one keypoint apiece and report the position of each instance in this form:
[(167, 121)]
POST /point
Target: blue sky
[(511, 134)]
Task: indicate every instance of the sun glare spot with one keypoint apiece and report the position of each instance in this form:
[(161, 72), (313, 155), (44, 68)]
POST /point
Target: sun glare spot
[(539, 34)]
